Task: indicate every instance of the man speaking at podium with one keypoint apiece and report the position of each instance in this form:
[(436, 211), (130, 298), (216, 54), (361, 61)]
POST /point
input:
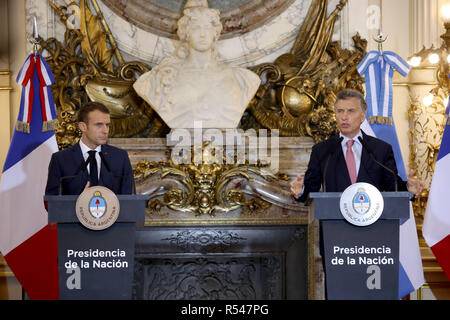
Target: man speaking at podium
[(352, 156), (91, 161)]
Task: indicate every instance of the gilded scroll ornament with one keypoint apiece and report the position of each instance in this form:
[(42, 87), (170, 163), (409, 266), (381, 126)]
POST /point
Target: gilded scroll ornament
[(299, 93), (204, 188), (89, 66)]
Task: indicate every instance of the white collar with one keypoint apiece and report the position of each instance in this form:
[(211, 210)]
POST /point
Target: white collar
[(355, 138), (85, 149)]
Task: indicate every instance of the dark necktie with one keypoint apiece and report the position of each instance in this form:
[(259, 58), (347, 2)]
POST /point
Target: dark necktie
[(93, 170)]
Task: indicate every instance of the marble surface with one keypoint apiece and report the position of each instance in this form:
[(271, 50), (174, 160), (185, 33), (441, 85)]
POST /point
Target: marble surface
[(223, 5), (293, 152), (263, 44)]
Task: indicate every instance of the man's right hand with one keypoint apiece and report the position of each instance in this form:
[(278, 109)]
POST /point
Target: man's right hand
[(297, 186), (88, 184)]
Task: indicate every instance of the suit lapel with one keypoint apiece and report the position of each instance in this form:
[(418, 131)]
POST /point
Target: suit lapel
[(337, 174), (78, 156), (366, 162), (105, 175), (342, 175), (78, 163)]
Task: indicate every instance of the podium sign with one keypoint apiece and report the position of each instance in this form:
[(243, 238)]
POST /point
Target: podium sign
[(361, 262), (92, 269), (96, 264)]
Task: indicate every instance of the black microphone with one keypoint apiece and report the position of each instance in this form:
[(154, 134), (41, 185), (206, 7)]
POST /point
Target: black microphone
[(102, 157), (81, 170), (107, 166), (338, 144), (364, 144)]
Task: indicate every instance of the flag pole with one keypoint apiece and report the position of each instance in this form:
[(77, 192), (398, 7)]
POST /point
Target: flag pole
[(35, 39)]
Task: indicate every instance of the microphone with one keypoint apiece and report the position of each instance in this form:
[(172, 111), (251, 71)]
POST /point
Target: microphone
[(102, 157), (107, 166), (338, 144), (364, 144), (81, 170)]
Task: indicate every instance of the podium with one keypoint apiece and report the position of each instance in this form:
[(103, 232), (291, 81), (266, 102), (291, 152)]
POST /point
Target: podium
[(96, 264), (360, 262)]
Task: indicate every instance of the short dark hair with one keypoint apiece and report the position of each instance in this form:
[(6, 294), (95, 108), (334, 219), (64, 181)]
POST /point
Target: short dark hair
[(352, 93), (83, 113)]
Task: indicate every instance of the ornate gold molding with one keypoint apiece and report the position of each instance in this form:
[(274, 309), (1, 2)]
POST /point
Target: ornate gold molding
[(204, 187), (425, 135), (297, 98), (89, 66), (299, 94)]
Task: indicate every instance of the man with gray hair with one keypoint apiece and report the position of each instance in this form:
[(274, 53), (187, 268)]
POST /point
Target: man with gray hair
[(352, 156)]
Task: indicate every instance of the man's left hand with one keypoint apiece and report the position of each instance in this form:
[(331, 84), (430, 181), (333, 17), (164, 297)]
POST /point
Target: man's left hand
[(415, 185)]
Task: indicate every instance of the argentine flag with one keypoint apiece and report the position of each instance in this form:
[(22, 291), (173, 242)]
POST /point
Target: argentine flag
[(27, 241), (378, 69)]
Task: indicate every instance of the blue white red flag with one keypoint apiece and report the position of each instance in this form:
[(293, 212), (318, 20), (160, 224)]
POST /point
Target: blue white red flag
[(436, 225), (27, 241), (378, 69)]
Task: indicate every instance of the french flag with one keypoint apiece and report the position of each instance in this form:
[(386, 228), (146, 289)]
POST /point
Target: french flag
[(436, 225), (27, 241)]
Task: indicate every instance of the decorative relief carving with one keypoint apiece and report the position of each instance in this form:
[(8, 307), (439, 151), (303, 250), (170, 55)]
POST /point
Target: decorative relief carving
[(204, 188), (425, 135), (205, 241), (207, 279)]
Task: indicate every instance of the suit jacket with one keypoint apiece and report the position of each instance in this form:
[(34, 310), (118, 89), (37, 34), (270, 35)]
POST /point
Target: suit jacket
[(337, 178), (116, 174)]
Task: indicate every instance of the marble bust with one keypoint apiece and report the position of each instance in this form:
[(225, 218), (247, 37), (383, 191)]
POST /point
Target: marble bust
[(192, 84)]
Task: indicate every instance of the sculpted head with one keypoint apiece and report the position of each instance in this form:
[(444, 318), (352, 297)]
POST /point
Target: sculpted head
[(193, 83), (200, 26)]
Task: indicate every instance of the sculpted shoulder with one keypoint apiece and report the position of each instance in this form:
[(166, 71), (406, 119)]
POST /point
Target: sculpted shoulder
[(247, 78)]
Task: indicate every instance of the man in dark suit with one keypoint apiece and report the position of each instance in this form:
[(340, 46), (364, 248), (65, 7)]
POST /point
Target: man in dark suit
[(91, 161), (328, 162)]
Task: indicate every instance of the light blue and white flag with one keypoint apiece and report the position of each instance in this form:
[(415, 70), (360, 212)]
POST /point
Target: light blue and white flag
[(378, 69)]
